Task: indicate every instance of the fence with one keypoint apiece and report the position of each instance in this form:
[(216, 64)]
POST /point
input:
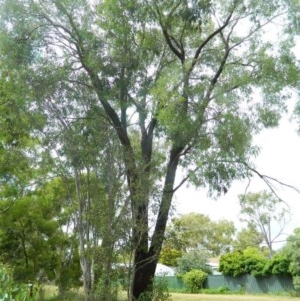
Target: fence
[(246, 283)]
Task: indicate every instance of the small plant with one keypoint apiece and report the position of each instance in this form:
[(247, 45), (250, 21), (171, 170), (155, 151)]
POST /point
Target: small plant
[(194, 280)]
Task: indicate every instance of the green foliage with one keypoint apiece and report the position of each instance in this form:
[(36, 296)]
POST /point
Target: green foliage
[(249, 261), (33, 241), (292, 252), (248, 237), (169, 256), (296, 283), (231, 264), (195, 259), (11, 290), (196, 230), (279, 264), (255, 262), (194, 280)]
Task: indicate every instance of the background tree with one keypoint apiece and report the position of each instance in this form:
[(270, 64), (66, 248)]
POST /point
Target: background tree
[(194, 230), (247, 237), (174, 75), (195, 259), (265, 212)]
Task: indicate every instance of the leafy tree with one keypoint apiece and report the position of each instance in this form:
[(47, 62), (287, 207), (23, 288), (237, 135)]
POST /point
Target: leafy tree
[(264, 212), (248, 237), (174, 76), (196, 230), (33, 240)]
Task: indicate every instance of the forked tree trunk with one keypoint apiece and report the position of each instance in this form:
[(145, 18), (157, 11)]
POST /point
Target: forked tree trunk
[(146, 258)]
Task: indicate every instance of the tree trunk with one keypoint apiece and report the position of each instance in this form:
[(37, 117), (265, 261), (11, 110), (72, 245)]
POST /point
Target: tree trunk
[(145, 262), (87, 276), (143, 276)]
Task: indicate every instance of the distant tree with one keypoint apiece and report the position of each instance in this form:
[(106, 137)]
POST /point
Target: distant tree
[(265, 212), (195, 259), (247, 237), (196, 230)]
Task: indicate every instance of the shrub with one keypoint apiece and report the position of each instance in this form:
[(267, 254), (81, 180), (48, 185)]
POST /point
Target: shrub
[(10, 290), (296, 283), (278, 265), (194, 280), (249, 261)]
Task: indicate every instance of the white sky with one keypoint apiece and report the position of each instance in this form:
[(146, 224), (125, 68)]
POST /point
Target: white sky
[(279, 158)]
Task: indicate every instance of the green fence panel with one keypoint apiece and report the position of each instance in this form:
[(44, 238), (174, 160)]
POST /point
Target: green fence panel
[(173, 282), (233, 283), (251, 284), (245, 283)]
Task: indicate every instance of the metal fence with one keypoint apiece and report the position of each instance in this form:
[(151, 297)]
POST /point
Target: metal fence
[(245, 283)]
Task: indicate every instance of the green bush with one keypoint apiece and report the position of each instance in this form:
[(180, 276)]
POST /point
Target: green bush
[(296, 283), (194, 280), (10, 290)]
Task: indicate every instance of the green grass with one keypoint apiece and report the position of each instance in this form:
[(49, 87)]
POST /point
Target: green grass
[(51, 295)]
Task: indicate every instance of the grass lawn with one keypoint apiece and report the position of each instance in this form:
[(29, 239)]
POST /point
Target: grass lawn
[(204, 297), (51, 291)]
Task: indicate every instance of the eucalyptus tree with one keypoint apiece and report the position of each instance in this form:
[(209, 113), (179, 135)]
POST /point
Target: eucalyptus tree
[(266, 213), (248, 237), (197, 231), (180, 76)]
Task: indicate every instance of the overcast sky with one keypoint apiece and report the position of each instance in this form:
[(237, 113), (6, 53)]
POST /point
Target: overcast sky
[(279, 158)]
